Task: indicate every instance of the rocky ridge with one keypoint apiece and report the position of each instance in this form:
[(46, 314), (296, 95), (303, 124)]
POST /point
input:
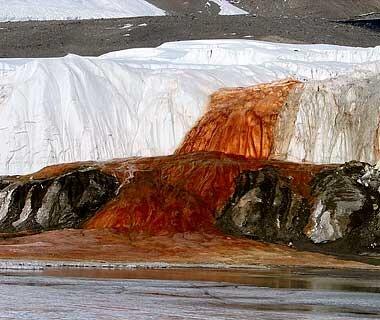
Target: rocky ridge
[(63, 201), (341, 212)]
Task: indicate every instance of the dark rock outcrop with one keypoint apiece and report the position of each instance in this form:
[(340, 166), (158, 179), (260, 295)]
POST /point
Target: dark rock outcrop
[(345, 214), (65, 201), (341, 214), (333, 208), (264, 207)]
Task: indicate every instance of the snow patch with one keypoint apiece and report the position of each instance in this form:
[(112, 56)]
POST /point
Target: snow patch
[(16, 10)]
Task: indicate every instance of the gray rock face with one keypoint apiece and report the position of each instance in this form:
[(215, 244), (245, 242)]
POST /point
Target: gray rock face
[(264, 207), (346, 206), (66, 201), (342, 213)]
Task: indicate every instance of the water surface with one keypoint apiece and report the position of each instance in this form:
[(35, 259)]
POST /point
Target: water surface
[(189, 294)]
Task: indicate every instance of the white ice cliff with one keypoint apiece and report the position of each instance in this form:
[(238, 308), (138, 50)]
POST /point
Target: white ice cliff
[(331, 121), (141, 102)]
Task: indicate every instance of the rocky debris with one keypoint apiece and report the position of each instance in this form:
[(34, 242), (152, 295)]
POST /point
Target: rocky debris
[(341, 213), (97, 37), (265, 207), (64, 201), (336, 9), (346, 204), (370, 20), (182, 7)]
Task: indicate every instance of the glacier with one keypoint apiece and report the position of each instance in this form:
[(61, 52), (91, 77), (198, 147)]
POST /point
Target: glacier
[(24, 10), (142, 102), (15, 10), (331, 121)]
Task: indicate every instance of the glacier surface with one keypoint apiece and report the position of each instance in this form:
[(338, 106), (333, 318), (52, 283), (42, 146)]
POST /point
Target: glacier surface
[(142, 102), (24, 10), (20, 10)]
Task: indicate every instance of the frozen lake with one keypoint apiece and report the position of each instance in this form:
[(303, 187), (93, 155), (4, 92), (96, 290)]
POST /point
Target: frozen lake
[(183, 294)]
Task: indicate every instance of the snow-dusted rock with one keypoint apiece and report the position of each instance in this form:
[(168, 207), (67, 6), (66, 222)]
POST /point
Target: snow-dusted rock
[(226, 8), (346, 206)]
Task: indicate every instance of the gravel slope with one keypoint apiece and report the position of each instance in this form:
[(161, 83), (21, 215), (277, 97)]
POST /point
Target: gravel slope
[(95, 37), (298, 21), (335, 9)]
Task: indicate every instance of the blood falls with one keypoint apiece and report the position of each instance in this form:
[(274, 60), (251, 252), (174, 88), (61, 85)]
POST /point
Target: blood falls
[(328, 121), (286, 161)]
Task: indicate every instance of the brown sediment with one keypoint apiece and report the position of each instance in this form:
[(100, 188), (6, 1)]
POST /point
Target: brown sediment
[(181, 248), (240, 121), (182, 193)]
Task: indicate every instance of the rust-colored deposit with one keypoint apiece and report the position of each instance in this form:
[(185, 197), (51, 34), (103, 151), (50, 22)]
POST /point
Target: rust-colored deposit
[(240, 121), (181, 193), (183, 248), (184, 192), (166, 207)]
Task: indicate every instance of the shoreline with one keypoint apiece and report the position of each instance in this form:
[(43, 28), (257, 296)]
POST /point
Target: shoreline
[(102, 249), (41, 265), (15, 264)]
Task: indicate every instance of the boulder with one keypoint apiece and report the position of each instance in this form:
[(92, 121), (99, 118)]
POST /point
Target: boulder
[(64, 201), (345, 207), (264, 207), (340, 213)]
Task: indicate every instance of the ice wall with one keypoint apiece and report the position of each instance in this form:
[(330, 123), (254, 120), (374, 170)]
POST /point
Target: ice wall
[(141, 102), (331, 121), (70, 109)]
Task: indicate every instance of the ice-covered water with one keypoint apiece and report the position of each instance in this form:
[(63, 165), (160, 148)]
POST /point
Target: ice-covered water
[(270, 296)]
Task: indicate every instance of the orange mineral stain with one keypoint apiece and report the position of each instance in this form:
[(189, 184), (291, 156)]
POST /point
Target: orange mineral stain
[(240, 121), (181, 193)]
